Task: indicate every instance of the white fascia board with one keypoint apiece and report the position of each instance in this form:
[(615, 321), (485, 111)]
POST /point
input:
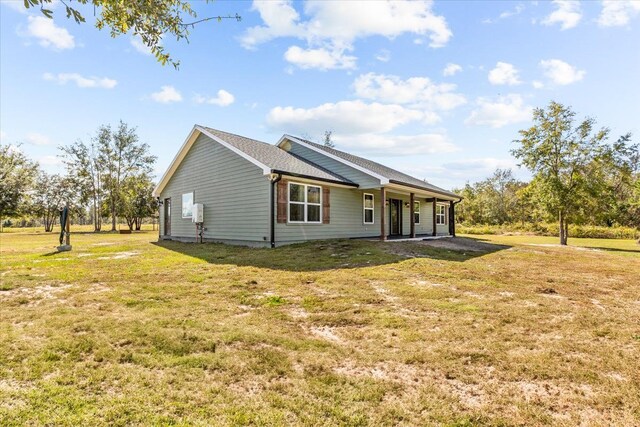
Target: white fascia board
[(266, 170), (405, 190), (176, 161), (383, 180)]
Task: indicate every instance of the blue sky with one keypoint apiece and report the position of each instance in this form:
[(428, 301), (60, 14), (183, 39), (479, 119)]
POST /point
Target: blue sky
[(436, 89)]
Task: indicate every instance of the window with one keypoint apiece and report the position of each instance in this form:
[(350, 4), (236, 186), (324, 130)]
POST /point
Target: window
[(187, 205), (441, 215), (416, 212), (305, 202), (367, 205)]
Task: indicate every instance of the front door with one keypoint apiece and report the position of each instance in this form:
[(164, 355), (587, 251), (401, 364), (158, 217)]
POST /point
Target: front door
[(395, 219), (167, 217)]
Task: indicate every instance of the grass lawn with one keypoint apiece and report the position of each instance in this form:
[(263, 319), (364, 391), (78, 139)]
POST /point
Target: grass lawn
[(508, 330)]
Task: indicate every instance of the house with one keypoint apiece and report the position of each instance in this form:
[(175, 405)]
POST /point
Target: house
[(259, 194)]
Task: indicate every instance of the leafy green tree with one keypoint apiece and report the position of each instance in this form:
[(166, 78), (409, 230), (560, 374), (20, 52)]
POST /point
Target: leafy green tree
[(561, 155), (50, 193), (122, 156), (150, 20), (137, 201), (85, 173), (17, 174)]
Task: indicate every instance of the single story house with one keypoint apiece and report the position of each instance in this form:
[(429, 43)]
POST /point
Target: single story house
[(259, 194)]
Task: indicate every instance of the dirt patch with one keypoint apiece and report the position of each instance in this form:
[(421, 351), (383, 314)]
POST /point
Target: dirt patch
[(462, 244), (121, 255), (326, 332), (37, 294)]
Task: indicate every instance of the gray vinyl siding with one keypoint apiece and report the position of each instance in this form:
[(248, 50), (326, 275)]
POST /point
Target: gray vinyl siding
[(235, 194), (354, 175), (346, 219)]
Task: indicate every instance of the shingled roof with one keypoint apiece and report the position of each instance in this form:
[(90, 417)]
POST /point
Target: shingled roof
[(392, 175), (276, 158)]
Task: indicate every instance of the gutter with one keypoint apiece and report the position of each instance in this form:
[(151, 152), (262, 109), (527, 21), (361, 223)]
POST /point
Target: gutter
[(313, 178), (272, 215), (431, 190)]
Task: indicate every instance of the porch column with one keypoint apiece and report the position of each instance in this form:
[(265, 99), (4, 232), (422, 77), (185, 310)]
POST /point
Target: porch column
[(435, 200), (452, 219), (383, 212), (412, 199)]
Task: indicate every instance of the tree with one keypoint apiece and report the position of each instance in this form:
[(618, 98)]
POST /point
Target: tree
[(327, 139), (137, 201), (17, 174), (122, 156), (49, 194), (561, 157), (85, 173), (150, 20)]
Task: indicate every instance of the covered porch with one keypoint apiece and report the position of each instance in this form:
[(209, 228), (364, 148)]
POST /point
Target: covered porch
[(414, 213)]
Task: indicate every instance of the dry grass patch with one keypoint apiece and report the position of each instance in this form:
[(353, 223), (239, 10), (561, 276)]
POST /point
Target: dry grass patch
[(494, 331)]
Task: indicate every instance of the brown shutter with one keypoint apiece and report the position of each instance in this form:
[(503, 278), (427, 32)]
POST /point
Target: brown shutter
[(283, 197), (326, 206)]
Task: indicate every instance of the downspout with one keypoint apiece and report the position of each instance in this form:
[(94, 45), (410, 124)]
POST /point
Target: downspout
[(272, 211)]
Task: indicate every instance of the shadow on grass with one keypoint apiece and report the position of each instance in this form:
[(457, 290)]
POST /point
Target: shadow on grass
[(330, 254)]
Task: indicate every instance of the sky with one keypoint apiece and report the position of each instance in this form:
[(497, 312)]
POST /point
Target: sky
[(438, 90)]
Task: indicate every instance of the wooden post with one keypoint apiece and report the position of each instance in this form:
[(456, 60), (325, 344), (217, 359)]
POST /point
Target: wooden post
[(383, 213), (435, 200), (67, 226), (452, 219), (412, 202)]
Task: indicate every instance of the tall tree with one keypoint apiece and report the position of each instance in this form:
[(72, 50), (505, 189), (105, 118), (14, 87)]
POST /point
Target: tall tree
[(17, 174), (150, 20), (50, 193), (560, 154), (122, 156), (137, 201), (85, 172)]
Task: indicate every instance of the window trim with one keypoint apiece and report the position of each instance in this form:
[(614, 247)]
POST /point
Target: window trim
[(193, 200), (305, 203), (365, 208), (444, 215), (416, 202)]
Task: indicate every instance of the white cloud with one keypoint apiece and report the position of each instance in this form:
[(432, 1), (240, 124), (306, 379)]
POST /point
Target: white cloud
[(500, 112), (568, 14), (334, 26), (537, 84), (485, 164), (420, 91), (222, 99), (320, 58), (48, 34), (80, 81), (344, 117), (396, 145), (504, 74), (451, 69), (166, 95), (138, 45), (506, 14), (561, 73), (618, 13), (383, 55), (35, 138), (49, 160)]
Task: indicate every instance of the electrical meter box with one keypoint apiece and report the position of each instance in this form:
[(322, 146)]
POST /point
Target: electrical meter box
[(198, 213)]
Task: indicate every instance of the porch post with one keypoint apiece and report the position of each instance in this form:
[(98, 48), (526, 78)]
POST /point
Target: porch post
[(412, 199), (435, 200), (383, 213), (452, 219)]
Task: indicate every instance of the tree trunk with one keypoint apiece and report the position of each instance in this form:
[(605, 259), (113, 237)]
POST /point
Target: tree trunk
[(562, 227)]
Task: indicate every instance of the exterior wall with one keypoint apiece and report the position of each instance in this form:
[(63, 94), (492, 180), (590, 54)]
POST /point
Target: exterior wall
[(234, 192), (361, 178), (346, 219)]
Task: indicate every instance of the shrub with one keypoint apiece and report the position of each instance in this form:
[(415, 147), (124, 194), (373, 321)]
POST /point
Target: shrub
[(545, 229)]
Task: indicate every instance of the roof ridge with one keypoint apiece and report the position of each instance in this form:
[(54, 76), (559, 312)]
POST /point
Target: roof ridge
[(238, 135)]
